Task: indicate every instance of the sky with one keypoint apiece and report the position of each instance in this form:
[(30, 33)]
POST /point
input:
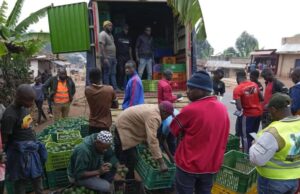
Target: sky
[(225, 20)]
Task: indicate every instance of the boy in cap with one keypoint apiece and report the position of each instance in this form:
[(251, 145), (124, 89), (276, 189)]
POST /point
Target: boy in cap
[(200, 153), (136, 125), (275, 150), (108, 55), (92, 162)]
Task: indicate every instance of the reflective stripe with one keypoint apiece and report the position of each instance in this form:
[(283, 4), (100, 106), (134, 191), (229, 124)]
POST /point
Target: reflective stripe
[(282, 164)]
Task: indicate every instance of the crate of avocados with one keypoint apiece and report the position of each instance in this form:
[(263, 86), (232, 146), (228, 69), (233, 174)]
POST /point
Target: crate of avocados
[(233, 143), (149, 170), (75, 190), (237, 173), (59, 154), (57, 179), (64, 136)]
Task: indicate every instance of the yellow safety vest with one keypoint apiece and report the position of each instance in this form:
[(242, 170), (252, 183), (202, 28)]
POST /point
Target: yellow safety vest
[(285, 164)]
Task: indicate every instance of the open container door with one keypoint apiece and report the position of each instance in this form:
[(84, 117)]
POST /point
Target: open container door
[(69, 29)]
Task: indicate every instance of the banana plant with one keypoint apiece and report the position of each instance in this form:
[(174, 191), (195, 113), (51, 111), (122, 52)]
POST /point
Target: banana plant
[(13, 35), (190, 14)]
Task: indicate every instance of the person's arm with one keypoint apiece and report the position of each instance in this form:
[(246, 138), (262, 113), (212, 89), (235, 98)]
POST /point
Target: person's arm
[(179, 122), (264, 149), (130, 53), (223, 88), (282, 88), (163, 141), (136, 92), (137, 46), (238, 104), (127, 95), (110, 157), (115, 103), (237, 97), (46, 86), (7, 126), (73, 89)]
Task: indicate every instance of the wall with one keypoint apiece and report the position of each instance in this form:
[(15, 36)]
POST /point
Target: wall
[(291, 40), (34, 67), (286, 63)]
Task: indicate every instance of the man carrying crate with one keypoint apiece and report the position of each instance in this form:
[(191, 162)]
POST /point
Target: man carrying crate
[(276, 151)]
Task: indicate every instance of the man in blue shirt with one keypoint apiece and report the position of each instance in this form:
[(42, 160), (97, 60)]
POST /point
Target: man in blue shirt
[(39, 99), (134, 92), (295, 92)]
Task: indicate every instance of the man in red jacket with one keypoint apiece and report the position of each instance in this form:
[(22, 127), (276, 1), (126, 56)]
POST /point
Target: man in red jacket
[(164, 91), (203, 126)]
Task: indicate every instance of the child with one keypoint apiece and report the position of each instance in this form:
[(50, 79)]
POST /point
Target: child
[(218, 85)]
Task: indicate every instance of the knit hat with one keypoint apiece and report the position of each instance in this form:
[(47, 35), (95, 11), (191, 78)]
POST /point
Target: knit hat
[(280, 101), (167, 107), (201, 80), (107, 22), (105, 137)]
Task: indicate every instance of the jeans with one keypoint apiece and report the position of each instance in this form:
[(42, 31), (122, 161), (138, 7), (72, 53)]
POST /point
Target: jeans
[(61, 111), (39, 105), (247, 125), (37, 185), (50, 111), (187, 183), (121, 77), (96, 184), (269, 186), (127, 157), (145, 63), (109, 72)]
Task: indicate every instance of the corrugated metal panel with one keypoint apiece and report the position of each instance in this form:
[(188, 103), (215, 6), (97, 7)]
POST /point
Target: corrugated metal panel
[(69, 30)]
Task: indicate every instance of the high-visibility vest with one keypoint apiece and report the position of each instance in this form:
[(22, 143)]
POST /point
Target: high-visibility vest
[(62, 93), (285, 164)]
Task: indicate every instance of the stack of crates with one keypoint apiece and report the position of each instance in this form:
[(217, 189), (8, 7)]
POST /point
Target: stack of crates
[(150, 85), (157, 75), (237, 175)]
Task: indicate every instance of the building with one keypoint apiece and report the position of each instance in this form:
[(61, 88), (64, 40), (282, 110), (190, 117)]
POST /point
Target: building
[(265, 59), (289, 55)]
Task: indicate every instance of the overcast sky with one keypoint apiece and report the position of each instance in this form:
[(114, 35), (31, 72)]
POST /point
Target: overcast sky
[(267, 20)]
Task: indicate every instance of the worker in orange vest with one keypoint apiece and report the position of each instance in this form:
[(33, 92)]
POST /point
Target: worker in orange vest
[(62, 90)]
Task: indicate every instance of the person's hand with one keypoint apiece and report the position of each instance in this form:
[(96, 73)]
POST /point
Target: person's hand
[(105, 168)]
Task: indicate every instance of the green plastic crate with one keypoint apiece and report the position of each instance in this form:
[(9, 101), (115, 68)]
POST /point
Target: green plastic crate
[(233, 143), (64, 136), (150, 85), (237, 172), (176, 68), (10, 186), (153, 178), (58, 179), (58, 160)]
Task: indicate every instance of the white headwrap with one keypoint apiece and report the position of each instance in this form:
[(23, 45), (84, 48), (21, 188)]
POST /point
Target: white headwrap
[(105, 137)]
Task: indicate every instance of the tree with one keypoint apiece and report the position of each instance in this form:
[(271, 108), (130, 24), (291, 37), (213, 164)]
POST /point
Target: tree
[(190, 14), (230, 52), (245, 44), (204, 49), (16, 46)]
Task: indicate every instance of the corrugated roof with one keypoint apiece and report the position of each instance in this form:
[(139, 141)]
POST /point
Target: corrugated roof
[(289, 49), (224, 64), (262, 52)]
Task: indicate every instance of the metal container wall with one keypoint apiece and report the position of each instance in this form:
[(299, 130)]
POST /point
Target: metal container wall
[(69, 29)]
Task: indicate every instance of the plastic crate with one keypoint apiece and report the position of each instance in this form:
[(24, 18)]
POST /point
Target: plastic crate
[(64, 136), (58, 160), (58, 179), (233, 143), (150, 85), (128, 187), (10, 186), (156, 76), (237, 172), (76, 189), (176, 68), (169, 60), (157, 68), (219, 189), (179, 77), (153, 178)]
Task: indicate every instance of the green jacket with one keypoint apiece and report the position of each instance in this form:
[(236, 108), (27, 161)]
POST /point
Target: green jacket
[(86, 158), (51, 84)]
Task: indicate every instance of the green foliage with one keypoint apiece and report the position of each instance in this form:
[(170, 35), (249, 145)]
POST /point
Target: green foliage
[(245, 44), (230, 52), (204, 49), (15, 14), (190, 14), (3, 8)]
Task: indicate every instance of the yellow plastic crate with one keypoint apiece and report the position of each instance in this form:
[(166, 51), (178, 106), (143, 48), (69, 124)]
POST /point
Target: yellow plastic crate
[(219, 189)]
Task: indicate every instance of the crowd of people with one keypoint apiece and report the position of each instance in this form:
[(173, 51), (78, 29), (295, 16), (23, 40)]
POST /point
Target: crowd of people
[(194, 138)]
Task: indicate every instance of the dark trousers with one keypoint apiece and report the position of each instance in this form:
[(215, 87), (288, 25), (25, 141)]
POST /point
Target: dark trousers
[(2, 184), (126, 157), (122, 59), (50, 110), (187, 183), (37, 185), (247, 125), (93, 130), (39, 105)]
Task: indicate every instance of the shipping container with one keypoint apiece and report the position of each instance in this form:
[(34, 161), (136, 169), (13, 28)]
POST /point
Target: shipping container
[(76, 27)]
